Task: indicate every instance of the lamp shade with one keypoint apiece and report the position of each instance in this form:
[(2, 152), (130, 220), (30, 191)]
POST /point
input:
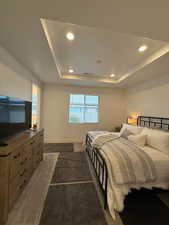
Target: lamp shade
[(132, 119)]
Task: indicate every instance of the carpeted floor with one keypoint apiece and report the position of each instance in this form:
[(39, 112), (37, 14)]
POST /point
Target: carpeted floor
[(73, 204), (72, 198), (71, 167)]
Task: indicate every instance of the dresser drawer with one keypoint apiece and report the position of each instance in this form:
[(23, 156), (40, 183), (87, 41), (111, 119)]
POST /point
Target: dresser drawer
[(15, 188), (29, 168), (3, 200), (27, 153), (15, 163), (4, 166), (40, 137), (37, 159)]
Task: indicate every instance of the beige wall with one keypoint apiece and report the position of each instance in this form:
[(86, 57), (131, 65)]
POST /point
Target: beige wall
[(15, 80), (13, 85), (56, 107), (149, 99)]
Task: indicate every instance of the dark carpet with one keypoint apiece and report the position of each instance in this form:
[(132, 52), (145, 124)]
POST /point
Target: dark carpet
[(74, 204), (144, 208), (58, 147), (71, 167)]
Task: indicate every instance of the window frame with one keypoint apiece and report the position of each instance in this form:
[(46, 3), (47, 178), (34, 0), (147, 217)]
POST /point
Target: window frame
[(84, 122)]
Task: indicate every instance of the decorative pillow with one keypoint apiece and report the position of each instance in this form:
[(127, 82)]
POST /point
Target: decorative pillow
[(157, 139), (125, 133), (131, 128), (139, 139)]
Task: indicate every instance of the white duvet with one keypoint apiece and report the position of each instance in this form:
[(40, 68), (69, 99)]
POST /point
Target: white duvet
[(116, 193)]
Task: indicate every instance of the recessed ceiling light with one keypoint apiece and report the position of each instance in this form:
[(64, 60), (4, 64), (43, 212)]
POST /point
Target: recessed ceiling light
[(142, 48), (70, 36), (112, 75), (71, 70)]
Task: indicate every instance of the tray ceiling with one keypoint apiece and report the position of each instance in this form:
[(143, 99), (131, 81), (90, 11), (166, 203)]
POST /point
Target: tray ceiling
[(23, 36), (96, 54)]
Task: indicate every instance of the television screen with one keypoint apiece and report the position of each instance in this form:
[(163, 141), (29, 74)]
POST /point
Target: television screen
[(15, 116)]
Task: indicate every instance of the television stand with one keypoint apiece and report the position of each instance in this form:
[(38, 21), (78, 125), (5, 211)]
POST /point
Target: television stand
[(18, 162), (3, 144)]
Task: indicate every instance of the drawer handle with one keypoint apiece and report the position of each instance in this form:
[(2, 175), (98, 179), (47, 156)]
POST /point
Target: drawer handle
[(21, 186), (32, 142), (21, 175), (18, 155), (21, 163)]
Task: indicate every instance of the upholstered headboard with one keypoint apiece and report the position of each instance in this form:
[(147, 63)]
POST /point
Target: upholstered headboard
[(153, 122)]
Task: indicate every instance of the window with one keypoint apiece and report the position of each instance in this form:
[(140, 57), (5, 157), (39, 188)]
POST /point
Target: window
[(35, 105), (83, 109)]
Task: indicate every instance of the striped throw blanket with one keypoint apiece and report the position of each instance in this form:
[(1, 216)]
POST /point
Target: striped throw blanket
[(127, 163), (100, 139)]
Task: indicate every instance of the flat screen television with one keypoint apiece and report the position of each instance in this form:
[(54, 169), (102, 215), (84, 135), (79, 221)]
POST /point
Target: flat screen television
[(15, 116)]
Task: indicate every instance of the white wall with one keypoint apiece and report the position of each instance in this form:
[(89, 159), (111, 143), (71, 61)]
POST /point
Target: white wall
[(150, 98), (15, 80), (56, 108)]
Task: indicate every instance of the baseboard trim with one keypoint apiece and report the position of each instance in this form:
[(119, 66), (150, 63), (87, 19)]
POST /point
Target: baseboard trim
[(63, 140)]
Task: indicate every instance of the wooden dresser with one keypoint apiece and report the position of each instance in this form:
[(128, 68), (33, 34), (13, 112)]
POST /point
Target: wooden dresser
[(18, 161)]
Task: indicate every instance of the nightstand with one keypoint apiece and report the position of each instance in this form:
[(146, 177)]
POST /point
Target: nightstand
[(117, 129)]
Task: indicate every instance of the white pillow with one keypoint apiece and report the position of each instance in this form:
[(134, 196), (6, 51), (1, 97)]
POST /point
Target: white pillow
[(157, 139), (125, 133), (139, 139), (131, 128)]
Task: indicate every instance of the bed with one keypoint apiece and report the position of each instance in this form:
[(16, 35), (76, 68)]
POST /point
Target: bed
[(114, 194)]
